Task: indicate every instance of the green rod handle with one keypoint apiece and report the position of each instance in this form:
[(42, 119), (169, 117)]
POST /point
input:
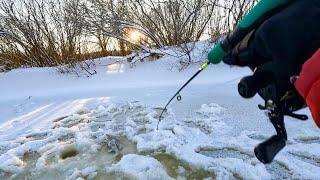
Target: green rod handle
[(259, 10), (216, 55)]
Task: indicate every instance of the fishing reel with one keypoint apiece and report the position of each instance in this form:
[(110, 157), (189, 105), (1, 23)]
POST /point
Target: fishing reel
[(279, 102)]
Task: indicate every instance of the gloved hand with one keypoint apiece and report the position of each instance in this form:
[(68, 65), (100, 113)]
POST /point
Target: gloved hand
[(242, 54), (277, 49)]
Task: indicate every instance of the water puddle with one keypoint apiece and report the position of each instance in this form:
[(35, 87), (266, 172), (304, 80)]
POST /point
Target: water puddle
[(81, 146), (176, 168), (70, 160), (68, 152)]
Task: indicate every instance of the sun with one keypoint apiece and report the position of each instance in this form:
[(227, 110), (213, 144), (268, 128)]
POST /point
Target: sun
[(135, 36)]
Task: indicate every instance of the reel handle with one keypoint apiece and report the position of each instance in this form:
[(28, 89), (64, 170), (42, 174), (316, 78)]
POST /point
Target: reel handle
[(267, 150)]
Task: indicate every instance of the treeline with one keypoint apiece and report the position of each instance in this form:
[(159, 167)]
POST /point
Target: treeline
[(38, 33)]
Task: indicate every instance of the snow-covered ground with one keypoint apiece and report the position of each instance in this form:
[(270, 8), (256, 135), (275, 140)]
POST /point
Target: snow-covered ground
[(55, 126)]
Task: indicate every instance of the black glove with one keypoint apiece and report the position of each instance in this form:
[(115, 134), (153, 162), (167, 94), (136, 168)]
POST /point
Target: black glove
[(242, 54), (280, 91), (277, 49), (275, 52)]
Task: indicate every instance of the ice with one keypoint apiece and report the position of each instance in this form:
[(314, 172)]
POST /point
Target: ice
[(181, 171), (135, 166), (239, 168), (74, 136), (77, 128), (211, 110), (88, 132), (88, 173), (11, 163)]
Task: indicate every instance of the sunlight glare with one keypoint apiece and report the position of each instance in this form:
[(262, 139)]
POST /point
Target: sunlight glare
[(135, 36)]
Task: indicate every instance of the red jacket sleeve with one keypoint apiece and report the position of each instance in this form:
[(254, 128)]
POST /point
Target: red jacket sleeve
[(308, 85)]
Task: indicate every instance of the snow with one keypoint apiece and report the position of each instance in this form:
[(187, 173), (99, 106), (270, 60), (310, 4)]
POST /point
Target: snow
[(211, 109), (140, 167), (68, 127), (88, 173)]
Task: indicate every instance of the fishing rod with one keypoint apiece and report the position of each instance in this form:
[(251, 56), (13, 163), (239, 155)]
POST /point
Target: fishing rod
[(214, 57), (177, 94)]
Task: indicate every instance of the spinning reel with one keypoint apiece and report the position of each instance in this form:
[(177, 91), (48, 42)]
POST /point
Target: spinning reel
[(280, 101)]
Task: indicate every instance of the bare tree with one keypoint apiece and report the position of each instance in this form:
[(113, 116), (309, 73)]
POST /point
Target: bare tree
[(43, 32), (171, 22), (64, 32)]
